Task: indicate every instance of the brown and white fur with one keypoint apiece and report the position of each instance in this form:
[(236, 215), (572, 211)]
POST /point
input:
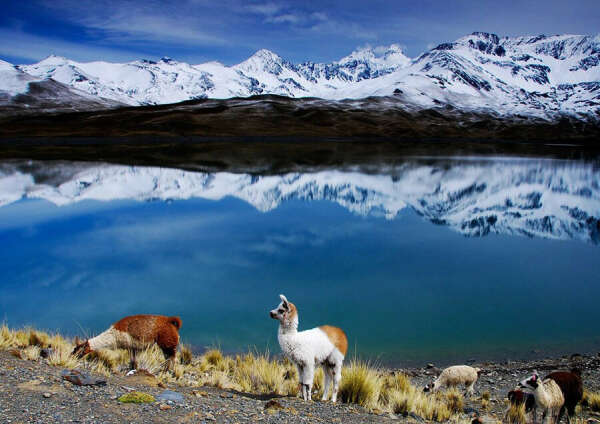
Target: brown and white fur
[(572, 387), (456, 375), (323, 345), (548, 396), (136, 333)]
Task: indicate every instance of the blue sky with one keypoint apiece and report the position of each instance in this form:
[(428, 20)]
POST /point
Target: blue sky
[(231, 30)]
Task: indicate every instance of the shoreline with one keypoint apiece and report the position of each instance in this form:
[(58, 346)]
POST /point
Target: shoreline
[(250, 388)]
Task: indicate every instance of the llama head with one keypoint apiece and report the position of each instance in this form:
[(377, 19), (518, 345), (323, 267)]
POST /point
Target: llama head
[(81, 348), (531, 382), (430, 387), (286, 312)]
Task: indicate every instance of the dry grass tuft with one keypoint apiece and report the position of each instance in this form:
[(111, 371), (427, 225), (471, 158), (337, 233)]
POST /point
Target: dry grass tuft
[(360, 384), (516, 414), (455, 400), (31, 353), (591, 400), (61, 357), (39, 339), (7, 337), (213, 357), (151, 359), (185, 355)]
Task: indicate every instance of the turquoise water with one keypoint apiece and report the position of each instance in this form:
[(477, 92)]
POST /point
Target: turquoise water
[(412, 265)]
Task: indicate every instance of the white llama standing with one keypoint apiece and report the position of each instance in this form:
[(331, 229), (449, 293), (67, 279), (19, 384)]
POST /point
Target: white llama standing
[(323, 345)]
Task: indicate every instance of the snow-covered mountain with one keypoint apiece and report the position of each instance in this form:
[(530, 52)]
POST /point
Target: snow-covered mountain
[(19, 90), (535, 198), (539, 76)]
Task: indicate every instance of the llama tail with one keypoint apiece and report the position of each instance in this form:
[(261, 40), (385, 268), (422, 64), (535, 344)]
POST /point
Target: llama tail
[(175, 321)]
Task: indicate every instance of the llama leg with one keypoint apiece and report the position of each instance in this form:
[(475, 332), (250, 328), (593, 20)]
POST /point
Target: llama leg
[(562, 412), (309, 375), (471, 389), (327, 371), (170, 354), (337, 377), (133, 361), (300, 383)]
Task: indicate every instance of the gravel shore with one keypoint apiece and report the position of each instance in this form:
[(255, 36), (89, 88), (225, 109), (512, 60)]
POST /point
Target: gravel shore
[(34, 392)]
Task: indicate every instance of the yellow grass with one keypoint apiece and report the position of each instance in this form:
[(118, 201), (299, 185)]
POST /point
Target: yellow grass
[(185, 354), (591, 400), (362, 383), (31, 353), (516, 414)]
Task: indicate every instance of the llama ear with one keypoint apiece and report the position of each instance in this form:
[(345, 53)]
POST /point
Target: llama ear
[(77, 341), (283, 298)]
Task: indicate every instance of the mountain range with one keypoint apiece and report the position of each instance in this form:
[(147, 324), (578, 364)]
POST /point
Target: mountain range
[(476, 197), (539, 76)]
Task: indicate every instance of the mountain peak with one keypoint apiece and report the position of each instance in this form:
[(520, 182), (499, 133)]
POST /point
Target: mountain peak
[(390, 56), (54, 60), (262, 61), (6, 66)]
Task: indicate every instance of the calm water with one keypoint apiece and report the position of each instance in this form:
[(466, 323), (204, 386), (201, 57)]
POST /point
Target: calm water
[(428, 261)]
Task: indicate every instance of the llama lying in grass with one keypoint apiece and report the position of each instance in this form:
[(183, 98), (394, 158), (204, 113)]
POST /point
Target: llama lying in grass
[(136, 333), (323, 345), (457, 375), (548, 396), (572, 388)]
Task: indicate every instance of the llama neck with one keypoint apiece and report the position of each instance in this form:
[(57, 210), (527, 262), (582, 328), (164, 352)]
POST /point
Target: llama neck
[(289, 327), (103, 340), (541, 394)]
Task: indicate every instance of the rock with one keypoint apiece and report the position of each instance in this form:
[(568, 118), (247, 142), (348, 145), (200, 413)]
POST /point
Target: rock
[(199, 393), (430, 366), (164, 407), (80, 379), (470, 411), (16, 353), (273, 404), (136, 397), (576, 357), (416, 417), (486, 419), (47, 395), (170, 396)]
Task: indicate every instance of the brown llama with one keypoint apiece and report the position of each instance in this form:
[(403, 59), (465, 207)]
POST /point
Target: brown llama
[(136, 333)]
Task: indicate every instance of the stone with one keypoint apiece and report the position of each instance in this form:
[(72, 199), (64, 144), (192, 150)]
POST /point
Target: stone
[(80, 379), (273, 404), (430, 366), (170, 396), (47, 395), (164, 407)]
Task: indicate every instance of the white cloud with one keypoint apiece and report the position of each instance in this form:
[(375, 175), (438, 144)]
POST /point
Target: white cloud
[(287, 18), (267, 9), (35, 48)]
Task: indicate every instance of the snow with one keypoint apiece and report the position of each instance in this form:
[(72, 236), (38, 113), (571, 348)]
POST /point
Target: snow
[(475, 196), (12, 80), (536, 76)]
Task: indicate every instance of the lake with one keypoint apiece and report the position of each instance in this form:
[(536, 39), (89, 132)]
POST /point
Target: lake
[(431, 259)]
